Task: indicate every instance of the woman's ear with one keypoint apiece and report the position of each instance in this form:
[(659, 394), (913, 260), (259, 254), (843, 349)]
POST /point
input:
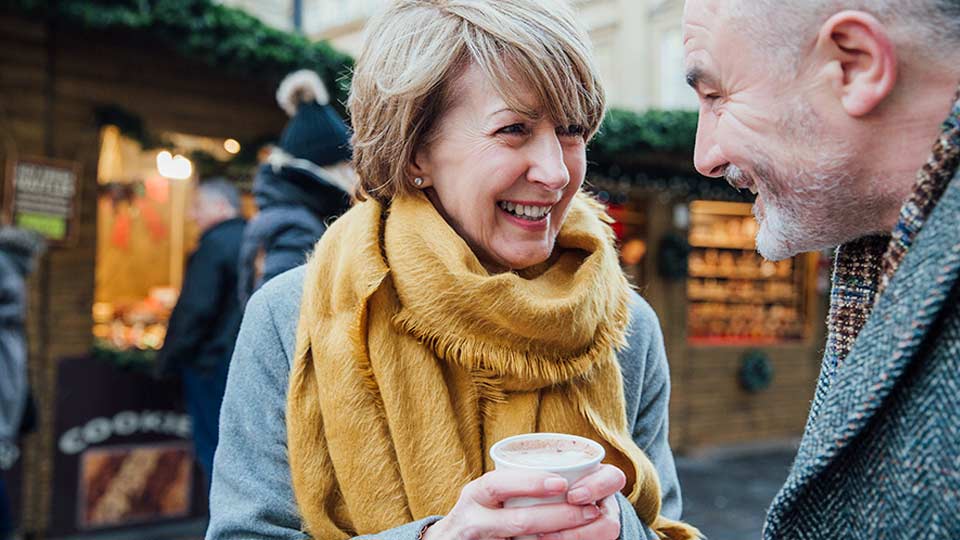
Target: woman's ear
[(861, 46), (418, 170)]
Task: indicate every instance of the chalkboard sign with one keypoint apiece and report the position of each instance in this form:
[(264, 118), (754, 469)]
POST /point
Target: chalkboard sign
[(41, 195)]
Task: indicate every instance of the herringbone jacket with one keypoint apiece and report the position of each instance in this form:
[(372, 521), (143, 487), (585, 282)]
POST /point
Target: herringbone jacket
[(880, 458)]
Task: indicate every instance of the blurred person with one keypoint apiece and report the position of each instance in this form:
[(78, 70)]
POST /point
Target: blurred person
[(306, 182), (204, 324), (475, 293), (18, 251), (828, 110)]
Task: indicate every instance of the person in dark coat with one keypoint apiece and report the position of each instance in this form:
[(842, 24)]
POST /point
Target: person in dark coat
[(206, 320), (18, 250), (306, 182)]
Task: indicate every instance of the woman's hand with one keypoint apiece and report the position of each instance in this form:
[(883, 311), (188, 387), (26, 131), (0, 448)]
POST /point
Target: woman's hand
[(479, 513), (600, 487), (591, 511)]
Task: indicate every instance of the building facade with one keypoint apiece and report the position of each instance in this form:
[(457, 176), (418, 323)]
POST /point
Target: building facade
[(638, 44)]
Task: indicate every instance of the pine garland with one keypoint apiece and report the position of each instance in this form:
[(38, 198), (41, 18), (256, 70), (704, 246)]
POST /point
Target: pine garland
[(225, 38)]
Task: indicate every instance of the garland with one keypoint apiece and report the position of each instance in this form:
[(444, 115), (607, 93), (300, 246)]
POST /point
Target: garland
[(626, 133), (225, 38)]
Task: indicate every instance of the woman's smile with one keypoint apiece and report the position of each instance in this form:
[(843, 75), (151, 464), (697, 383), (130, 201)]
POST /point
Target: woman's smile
[(528, 215)]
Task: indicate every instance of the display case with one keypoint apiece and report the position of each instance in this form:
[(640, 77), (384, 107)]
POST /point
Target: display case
[(735, 296)]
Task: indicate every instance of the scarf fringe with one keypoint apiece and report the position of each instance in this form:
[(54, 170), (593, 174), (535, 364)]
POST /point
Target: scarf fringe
[(501, 362)]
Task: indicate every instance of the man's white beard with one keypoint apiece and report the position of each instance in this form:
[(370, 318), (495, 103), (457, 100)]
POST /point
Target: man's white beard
[(778, 234), (821, 215)]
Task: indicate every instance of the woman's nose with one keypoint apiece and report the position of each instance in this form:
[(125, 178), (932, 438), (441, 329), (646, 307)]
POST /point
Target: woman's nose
[(546, 163)]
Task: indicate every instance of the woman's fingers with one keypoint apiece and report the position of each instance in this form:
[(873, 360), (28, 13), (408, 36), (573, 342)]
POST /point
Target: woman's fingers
[(547, 518), (598, 485), (605, 527), (496, 487)]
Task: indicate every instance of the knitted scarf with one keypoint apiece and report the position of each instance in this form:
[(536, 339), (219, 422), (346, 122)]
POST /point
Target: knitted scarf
[(864, 267), (412, 360)]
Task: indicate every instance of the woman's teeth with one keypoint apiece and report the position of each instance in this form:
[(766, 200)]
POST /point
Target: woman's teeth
[(527, 212)]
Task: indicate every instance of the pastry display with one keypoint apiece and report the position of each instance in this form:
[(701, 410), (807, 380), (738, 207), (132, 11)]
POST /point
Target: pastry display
[(734, 294), (123, 486)]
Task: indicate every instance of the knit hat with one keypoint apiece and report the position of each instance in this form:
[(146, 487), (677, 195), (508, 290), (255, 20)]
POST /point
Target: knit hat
[(315, 133)]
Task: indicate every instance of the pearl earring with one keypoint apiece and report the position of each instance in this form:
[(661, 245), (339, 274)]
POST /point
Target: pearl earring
[(418, 181)]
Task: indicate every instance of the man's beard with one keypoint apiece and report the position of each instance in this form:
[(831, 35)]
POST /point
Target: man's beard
[(807, 209)]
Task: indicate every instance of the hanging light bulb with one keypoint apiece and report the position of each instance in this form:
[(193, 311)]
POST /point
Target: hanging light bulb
[(174, 167), (232, 146)]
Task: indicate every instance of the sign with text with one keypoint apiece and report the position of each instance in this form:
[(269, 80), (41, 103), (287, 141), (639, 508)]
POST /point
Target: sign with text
[(123, 458), (42, 195)]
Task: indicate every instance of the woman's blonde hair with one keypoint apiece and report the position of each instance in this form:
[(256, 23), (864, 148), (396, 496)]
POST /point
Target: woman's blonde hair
[(415, 50)]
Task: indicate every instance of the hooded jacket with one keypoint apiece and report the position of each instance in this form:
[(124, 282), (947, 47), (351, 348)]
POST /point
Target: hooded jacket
[(17, 249), (295, 207)]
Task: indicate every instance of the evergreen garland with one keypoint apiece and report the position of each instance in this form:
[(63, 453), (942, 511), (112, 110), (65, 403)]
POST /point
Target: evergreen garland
[(225, 38), (626, 132)]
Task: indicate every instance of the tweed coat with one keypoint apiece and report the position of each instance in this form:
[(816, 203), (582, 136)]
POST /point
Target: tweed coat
[(880, 457)]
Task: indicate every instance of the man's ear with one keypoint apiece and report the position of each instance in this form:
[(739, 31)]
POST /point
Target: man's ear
[(860, 47), (419, 168)]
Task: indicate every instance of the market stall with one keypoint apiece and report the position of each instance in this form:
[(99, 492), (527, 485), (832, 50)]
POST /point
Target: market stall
[(743, 334), (108, 117)]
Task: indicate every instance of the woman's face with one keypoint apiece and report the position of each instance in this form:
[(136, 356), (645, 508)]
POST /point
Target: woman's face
[(502, 180)]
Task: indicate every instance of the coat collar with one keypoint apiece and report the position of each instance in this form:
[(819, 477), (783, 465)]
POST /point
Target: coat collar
[(889, 344)]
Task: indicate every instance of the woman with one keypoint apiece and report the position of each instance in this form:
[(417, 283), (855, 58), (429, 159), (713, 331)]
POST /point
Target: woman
[(474, 294)]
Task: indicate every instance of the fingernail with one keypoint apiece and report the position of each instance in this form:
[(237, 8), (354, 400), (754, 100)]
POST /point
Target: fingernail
[(579, 496), (591, 512), (555, 484)]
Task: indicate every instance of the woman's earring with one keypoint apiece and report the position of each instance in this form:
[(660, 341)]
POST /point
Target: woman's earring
[(418, 181)]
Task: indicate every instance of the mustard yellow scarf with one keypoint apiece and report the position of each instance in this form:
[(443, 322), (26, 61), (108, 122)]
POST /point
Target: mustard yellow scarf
[(412, 360)]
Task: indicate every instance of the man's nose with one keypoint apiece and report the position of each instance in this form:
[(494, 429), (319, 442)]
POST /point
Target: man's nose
[(708, 158), (546, 163)]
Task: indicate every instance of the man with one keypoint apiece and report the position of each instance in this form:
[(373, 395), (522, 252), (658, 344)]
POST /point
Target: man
[(827, 109), (206, 320), (18, 250)]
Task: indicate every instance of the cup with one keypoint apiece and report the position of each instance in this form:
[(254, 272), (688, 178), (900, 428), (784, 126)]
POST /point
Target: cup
[(569, 456)]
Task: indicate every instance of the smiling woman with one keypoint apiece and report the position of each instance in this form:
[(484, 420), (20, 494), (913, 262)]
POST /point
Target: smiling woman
[(473, 294)]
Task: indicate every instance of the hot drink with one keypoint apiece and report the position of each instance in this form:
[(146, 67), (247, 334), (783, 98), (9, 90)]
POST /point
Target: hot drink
[(569, 456), (548, 453)]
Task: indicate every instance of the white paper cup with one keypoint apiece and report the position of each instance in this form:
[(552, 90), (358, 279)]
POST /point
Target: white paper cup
[(500, 453)]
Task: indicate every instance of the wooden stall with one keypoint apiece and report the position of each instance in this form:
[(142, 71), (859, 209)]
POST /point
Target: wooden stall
[(744, 336), (58, 85)]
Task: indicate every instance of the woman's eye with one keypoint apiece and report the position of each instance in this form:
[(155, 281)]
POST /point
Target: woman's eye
[(573, 130), (513, 129)]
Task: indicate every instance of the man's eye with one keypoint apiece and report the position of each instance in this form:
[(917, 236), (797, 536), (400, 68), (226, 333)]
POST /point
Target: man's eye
[(710, 98), (573, 130), (513, 129)]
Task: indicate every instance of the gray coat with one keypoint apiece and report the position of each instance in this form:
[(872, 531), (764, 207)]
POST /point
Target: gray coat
[(252, 496), (13, 349), (880, 459), (17, 249)]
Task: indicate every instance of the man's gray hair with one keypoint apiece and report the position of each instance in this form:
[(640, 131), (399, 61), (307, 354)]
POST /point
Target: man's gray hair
[(221, 188), (787, 28)]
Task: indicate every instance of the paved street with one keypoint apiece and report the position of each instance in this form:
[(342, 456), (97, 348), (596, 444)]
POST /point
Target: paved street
[(726, 494)]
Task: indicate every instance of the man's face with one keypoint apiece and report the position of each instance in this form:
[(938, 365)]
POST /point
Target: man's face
[(206, 210), (769, 133)]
